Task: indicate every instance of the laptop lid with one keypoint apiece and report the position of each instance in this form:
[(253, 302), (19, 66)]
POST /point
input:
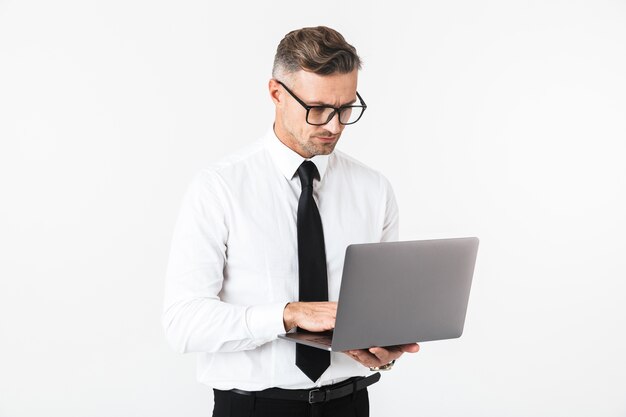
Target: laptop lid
[(403, 292)]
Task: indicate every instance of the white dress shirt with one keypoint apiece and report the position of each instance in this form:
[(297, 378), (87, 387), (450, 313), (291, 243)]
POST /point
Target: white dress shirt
[(234, 260)]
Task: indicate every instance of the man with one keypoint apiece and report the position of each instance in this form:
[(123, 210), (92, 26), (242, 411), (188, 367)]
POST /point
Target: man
[(259, 244)]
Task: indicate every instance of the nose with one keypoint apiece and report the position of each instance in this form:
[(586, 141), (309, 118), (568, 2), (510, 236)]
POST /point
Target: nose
[(333, 126)]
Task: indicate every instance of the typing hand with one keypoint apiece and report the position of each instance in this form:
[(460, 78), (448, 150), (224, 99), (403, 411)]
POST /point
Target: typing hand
[(311, 316), (378, 356)]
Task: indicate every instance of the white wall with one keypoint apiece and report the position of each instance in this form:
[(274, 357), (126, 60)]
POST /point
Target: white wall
[(504, 120)]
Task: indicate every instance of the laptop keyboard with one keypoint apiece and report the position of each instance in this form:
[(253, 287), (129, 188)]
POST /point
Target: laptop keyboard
[(324, 340)]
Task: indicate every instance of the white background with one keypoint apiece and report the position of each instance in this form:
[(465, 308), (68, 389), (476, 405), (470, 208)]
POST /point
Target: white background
[(502, 119)]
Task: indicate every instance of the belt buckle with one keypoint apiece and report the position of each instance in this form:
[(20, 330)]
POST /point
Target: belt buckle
[(312, 393)]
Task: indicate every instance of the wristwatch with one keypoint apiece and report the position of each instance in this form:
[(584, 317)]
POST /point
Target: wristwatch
[(383, 367)]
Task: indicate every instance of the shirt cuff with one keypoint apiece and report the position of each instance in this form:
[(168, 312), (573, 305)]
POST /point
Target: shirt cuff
[(265, 321)]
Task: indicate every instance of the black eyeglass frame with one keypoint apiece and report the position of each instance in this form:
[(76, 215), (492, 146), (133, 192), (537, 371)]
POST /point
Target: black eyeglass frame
[(336, 110)]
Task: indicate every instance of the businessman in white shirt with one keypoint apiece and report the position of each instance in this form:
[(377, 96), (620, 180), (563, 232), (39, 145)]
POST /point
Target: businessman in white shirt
[(259, 244)]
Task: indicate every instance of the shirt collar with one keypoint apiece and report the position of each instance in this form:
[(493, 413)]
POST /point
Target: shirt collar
[(287, 160)]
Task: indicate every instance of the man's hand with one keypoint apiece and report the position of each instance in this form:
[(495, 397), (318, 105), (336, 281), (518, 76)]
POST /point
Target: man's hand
[(311, 316), (378, 356)]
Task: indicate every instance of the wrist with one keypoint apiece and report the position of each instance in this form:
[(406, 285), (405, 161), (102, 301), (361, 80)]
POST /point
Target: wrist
[(383, 367), (289, 320)]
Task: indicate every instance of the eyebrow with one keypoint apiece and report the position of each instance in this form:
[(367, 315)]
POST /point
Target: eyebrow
[(321, 103)]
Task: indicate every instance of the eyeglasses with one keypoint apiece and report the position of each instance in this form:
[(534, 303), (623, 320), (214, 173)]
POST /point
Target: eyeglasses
[(320, 115)]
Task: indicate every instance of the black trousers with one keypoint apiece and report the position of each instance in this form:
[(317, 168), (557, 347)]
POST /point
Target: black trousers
[(230, 404)]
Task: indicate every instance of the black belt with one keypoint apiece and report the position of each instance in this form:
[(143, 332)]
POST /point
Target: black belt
[(317, 395)]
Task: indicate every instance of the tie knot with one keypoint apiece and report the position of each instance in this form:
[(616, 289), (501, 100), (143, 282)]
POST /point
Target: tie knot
[(307, 171)]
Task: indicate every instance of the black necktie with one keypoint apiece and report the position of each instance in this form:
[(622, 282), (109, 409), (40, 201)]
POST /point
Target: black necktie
[(312, 266)]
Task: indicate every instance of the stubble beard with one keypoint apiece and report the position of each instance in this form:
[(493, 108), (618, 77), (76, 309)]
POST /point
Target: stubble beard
[(311, 147), (318, 149)]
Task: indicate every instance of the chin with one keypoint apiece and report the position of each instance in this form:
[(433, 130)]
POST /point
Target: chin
[(325, 150)]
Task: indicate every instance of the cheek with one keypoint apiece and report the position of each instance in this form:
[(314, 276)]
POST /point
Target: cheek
[(295, 119), (299, 125), (307, 130)]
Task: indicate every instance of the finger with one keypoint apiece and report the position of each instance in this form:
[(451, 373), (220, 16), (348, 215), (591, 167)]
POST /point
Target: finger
[(365, 361), (352, 353), (366, 358), (410, 348), (384, 355), (377, 351)]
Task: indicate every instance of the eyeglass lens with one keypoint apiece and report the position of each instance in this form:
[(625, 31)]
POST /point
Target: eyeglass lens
[(322, 115)]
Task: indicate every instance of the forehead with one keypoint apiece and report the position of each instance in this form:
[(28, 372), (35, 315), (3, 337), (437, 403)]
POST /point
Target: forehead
[(336, 89)]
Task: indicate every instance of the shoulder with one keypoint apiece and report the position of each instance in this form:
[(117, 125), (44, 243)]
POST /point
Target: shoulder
[(235, 165), (358, 171)]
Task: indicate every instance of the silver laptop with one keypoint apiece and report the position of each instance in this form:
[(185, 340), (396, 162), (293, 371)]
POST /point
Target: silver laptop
[(395, 293)]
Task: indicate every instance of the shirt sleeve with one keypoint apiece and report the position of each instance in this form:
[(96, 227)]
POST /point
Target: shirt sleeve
[(391, 219), (194, 318)]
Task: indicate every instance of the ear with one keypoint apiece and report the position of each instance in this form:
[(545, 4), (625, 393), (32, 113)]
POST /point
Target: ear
[(276, 94)]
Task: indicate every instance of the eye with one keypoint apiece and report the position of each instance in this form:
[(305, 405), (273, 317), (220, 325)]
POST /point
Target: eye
[(318, 111)]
